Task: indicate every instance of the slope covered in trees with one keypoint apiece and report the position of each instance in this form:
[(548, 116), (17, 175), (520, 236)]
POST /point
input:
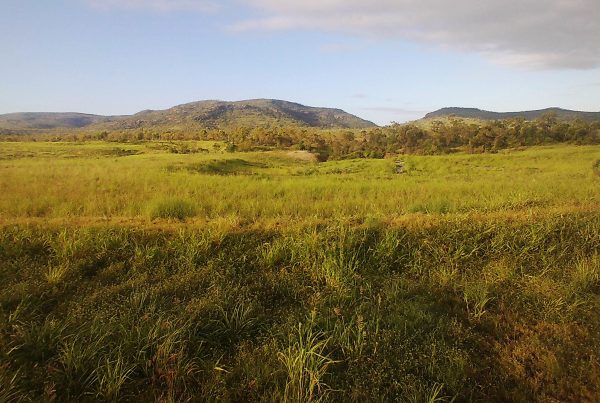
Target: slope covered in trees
[(194, 116)]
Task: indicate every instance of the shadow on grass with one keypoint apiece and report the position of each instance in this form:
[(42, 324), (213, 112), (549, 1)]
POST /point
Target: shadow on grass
[(225, 167)]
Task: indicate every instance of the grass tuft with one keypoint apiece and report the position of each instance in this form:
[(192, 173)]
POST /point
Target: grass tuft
[(175, 209), (56, 274), (586, 274), (476, 297), (111, 375), (306, 365), (9, 389)]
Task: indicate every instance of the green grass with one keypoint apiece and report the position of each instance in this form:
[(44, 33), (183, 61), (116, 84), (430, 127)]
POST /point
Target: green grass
[(66, 180), (172, 209), (174, 313), (306, 363), (150, 275)]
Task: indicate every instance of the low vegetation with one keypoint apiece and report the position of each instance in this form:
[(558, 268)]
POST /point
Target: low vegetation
[(131, 272)]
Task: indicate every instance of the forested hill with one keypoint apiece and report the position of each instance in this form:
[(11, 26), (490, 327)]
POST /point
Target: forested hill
[(474, 113), (251, 113), (202, 114)]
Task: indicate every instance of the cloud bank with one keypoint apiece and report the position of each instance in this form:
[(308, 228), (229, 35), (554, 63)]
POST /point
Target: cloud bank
[(534, 34)]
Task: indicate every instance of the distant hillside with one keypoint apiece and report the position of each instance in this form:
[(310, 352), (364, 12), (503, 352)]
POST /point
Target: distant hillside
[(203, 114), (251, 113), (474, 113), (50, 120)]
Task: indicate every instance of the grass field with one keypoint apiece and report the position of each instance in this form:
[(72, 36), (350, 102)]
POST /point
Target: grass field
[(181, 272), (106, 181)]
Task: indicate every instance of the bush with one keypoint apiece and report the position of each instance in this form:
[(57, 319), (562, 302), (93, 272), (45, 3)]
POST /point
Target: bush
[(172, 208)]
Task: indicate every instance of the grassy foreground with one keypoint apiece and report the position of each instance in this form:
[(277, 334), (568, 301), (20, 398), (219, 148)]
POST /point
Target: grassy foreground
[(130, 272)]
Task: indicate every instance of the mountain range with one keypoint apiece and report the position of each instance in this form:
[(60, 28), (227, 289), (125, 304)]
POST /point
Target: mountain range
[(50, 120), (249, 113), (202, 114), (474, 113)]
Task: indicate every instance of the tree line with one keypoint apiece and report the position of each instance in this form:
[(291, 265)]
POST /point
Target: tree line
[(435, 137)]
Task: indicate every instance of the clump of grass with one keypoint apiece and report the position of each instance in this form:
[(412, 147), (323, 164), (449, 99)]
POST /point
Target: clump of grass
[(352, 336), (275, 254), (586, 275), (337, 269), (9, 391), (338, 262), (235, 323), (19, 314), (77, 357), (446, 275), (111, 376), (436, 206), (476, 297), (171, 366), (432, 394), (56, 274), (306, 364), (39, 341), (176, 209)]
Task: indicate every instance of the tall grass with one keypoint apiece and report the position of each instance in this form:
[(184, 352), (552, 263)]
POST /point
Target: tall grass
[(111, 376), (9, 389), (466, 278), (586, 274), (306, 364), (172, 209), (275, 189), (199, 311)]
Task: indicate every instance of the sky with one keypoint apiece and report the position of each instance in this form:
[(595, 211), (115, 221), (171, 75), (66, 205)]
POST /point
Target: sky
[(383, 60)]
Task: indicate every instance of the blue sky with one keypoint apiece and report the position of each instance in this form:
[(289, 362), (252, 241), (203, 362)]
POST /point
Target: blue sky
[(383, 60)]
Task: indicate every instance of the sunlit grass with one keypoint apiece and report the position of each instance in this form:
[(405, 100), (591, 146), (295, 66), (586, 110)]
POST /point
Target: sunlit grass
[(138, 272), (268, 185)]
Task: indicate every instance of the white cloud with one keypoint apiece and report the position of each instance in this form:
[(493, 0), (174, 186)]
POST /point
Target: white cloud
[(537, 34), (157, 5)]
